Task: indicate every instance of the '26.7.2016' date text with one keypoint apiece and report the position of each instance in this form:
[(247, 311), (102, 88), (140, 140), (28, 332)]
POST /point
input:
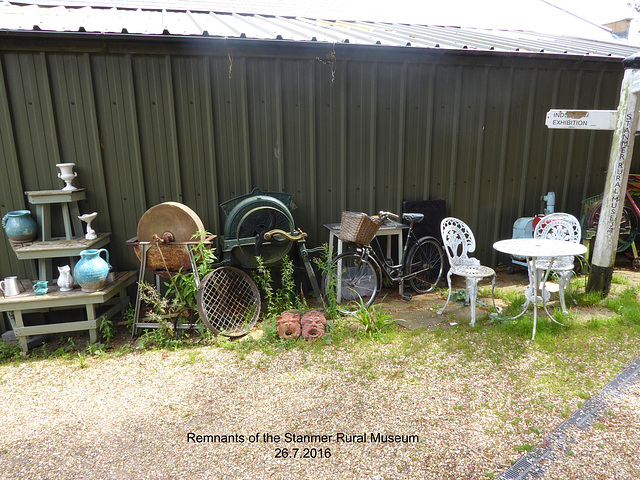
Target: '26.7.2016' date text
[(302, 452)]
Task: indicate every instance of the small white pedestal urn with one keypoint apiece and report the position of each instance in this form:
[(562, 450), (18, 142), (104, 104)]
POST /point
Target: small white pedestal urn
[(67, 174), (89, 217)]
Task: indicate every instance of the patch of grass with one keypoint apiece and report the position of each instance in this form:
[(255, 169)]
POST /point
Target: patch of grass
[(9, 351), (96, 349), (587, 299), (626, 305), (123, 350), (525, 447), (620, 280)]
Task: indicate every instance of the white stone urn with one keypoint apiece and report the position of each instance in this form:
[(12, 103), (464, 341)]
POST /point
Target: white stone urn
[(67, 174)]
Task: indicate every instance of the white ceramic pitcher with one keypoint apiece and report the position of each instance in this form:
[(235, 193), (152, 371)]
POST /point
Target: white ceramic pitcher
[(65, 280), (9, 286)]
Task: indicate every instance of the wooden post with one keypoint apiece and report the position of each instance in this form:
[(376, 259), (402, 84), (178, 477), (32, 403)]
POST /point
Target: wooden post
[(604, 252)]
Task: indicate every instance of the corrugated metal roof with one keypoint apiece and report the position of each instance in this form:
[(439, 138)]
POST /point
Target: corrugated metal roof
[(19, 17)]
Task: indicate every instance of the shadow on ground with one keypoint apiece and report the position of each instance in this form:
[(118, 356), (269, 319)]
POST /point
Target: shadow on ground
[(421, 310)]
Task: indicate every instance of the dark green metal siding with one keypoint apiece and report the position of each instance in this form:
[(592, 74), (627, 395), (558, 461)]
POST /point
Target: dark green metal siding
[(200, 123)]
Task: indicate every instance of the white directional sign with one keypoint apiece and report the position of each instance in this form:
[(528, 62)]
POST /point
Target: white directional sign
[(624, 122), (582, 119)]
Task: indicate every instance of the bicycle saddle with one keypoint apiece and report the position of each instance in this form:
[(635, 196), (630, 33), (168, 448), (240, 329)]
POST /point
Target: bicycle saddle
[(413, 217)]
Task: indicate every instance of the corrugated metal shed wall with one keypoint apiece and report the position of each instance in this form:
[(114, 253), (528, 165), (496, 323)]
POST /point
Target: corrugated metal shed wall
[(200, 123)]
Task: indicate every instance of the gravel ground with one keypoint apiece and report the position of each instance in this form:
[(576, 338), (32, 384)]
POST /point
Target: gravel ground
[(205, 413), (610, 448), (132, 417)]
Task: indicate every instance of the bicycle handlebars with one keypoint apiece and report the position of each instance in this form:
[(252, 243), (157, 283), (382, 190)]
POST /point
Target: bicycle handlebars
[(386, 215)]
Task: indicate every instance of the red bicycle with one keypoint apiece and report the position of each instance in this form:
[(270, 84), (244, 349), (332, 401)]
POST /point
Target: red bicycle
[(629, 222)]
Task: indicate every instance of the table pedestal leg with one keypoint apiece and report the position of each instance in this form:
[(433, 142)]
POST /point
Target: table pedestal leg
[(536, 283)]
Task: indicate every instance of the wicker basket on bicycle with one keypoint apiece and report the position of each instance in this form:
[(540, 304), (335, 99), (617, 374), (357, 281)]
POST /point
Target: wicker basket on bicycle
[(359, 228)]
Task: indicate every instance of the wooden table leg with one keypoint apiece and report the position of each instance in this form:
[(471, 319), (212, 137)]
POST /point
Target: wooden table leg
[(22, 340), (74, 210), (91, 315)]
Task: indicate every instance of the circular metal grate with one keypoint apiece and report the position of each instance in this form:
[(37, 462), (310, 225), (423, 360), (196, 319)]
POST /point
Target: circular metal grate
[(228, 302)]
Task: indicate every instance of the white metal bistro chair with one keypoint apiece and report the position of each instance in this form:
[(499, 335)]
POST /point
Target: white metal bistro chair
[(459, 241), (559, 226)]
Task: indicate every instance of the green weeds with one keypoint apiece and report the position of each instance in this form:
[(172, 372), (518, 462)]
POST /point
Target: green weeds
[(374, 322)]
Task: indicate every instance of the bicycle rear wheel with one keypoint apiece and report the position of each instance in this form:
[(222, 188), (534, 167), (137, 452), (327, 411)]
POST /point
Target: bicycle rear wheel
[(426, 261), (629, 224), (353, 280)]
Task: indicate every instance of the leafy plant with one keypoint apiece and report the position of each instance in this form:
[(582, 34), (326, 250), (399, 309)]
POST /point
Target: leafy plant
[(328, 269), (107, 329), (96, 349), (9, 350), (374, 321), (162, 308), (286, 298), (129, 316), (182, 286), (262, 277), (164, 336), (179, 304)]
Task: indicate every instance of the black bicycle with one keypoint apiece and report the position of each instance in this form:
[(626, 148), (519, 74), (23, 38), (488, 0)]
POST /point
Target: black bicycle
[(356, 276)]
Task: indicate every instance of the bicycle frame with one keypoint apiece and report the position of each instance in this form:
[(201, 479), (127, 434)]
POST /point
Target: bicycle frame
[(390, 269), (368, 252)]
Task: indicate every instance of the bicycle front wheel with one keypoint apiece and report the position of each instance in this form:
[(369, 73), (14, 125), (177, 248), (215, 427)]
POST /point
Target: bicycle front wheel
[(354, 282), (426, 262)]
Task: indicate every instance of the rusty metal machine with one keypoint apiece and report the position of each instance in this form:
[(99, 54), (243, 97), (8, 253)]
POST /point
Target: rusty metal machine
[(228, 300), (169, 227), (260, 224)]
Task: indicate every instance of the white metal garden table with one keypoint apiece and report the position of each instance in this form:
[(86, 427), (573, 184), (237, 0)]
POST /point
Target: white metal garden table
[(534, 249)]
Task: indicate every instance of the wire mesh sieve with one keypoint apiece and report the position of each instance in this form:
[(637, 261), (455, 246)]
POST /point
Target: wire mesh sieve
[(228, 302)]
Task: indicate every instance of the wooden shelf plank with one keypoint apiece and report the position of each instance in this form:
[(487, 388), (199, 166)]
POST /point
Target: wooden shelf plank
[(28, 300), (37, 197), (58, 248)]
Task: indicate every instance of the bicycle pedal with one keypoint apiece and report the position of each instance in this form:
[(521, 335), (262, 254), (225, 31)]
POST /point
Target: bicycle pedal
[(406, 297)]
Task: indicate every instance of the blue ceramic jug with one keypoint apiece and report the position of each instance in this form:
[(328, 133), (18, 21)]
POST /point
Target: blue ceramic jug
[(92, 270), (20, 226)]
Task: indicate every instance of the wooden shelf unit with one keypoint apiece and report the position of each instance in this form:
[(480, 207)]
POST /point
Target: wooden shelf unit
[(113, 295), (28, 301)]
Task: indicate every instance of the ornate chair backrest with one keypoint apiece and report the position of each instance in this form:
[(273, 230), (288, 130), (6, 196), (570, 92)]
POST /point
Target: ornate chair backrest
[(458, 241), (559, 226)]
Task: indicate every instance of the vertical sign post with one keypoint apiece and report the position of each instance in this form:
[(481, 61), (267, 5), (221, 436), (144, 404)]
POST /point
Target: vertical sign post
[(604, 251), (624, 122)]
